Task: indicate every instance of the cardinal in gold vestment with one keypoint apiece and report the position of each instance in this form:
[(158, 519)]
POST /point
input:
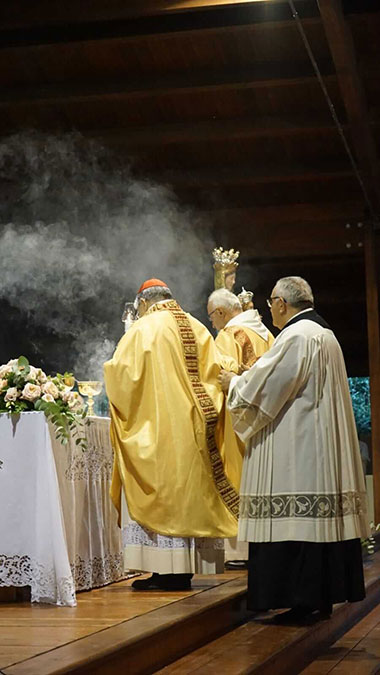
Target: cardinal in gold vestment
[(242, 336), (165, 401)]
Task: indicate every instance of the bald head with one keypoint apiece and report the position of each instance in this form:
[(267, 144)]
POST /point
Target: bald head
[(222, 306)]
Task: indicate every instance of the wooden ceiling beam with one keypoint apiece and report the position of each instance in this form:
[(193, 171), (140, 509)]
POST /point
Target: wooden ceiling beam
[(343, 53), (271, 75), (322, 239), (335, 263), (125, 33), (249, 174), (23, 13), (214, 130), (291, 230), (299, 216)]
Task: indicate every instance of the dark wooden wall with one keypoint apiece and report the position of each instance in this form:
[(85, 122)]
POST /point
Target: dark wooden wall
[(220, 101)]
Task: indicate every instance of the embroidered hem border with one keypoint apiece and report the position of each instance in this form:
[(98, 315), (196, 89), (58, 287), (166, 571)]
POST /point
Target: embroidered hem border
[(226, 490), (319, 506)]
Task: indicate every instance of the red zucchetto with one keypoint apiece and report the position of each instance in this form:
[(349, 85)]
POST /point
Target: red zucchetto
[(151, 282)]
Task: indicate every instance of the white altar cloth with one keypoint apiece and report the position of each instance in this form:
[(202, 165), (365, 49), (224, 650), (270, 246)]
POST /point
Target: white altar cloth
[(33, 548), (58, 526)]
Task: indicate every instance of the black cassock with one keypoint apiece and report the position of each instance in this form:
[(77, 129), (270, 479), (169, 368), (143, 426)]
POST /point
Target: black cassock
[(304, 574)]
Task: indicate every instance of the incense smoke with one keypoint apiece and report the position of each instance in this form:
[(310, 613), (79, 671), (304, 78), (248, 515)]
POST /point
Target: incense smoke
[(78, 235)]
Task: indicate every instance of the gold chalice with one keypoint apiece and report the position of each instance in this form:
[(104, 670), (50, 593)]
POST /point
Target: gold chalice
[(90, 388)]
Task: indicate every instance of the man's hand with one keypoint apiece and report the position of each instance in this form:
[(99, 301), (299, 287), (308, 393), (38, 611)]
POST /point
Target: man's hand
[(224, 379)]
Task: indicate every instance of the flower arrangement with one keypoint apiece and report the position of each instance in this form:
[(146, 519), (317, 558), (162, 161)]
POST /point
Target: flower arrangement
[(25, 388)]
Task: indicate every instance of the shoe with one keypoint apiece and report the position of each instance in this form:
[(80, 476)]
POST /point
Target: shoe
[(175, 584), (163, 582), (148, 584), (295, 616), (236, 565)]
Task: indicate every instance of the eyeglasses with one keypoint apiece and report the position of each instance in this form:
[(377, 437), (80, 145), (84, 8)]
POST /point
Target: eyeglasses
[(275, 297), (211, 313)]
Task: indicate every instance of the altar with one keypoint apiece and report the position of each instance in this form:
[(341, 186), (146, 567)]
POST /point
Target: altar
[(58, 527)]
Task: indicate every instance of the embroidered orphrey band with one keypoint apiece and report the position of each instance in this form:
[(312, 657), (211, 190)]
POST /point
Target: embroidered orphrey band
[(302, 506), (226, 490), (248, 354)]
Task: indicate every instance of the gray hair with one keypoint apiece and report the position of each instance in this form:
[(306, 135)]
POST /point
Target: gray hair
[(154, 293), (296, 291), (224, 298)]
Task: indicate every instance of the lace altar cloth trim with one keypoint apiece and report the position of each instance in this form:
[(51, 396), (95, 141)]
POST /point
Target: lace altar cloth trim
[(96, 461), (135, 535), (97, 571), (302, 506), (20, 570)]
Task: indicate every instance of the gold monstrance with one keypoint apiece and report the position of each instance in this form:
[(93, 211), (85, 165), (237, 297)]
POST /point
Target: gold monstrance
[(90, 388), (225, 267), (245, 298)]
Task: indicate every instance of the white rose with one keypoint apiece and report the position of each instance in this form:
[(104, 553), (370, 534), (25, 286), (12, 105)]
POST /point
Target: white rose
[(3, 384), (12, 362), (48, 398), (31, 392), (50, 388), (73, 400), (5, 370), (65, 395), (11, 394), (33, 374), (42, 377)]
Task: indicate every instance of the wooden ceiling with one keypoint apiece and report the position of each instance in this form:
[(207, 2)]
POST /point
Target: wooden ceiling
[(220, 100)]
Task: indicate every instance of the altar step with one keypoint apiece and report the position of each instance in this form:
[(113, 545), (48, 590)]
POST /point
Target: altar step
[(207, 632), (358, 651), (147, 642), (261, 647)]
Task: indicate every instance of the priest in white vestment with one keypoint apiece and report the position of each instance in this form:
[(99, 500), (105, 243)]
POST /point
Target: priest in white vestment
[(303, 501)]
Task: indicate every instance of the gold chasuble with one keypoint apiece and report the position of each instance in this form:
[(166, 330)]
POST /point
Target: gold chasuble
[(243, 344), (245, 339), (165, 401)]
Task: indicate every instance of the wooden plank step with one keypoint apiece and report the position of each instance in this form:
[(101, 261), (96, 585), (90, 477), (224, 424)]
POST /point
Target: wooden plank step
[(358, 651), (147, 642), (261, 647)]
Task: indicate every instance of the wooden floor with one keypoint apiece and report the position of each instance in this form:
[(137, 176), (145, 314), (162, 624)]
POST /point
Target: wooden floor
[(206, 631), (260, 646), (356, 653), (27, 630)]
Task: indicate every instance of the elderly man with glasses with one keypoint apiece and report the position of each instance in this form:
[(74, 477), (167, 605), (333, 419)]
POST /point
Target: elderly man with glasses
[(303, 502)]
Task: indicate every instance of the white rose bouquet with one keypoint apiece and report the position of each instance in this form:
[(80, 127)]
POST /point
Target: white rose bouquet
[(24, 388)]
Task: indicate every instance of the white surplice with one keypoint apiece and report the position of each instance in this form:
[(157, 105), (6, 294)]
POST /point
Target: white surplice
[(302, 476), (250, 319), (149, 551)]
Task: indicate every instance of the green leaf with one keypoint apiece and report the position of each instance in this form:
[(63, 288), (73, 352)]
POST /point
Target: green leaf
[(23, 362)]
